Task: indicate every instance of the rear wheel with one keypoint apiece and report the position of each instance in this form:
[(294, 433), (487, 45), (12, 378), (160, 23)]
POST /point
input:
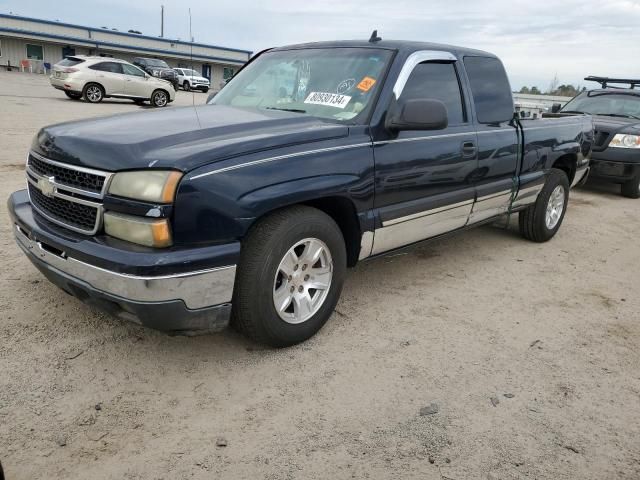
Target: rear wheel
[(631, 189), (186, 86), (73, 96), (290, 276), (93, 93), (159, 98), (542, 220)]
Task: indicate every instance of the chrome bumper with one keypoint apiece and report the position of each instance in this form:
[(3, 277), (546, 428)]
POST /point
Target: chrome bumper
[(197, 289)]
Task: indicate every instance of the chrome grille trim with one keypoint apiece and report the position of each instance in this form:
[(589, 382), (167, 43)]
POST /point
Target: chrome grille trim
[(62, 191)]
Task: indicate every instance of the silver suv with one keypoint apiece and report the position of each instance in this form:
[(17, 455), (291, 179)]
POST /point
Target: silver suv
[(96, 78)]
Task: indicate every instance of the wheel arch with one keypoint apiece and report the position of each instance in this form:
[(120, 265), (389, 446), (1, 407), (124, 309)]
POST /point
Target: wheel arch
[(568, 163)]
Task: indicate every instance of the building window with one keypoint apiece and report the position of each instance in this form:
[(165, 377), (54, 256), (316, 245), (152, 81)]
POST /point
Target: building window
[(227, 73), (0, 48), (35, 52)]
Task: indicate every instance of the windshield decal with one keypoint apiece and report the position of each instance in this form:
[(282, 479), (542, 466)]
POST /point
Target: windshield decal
[(345, 85), (328, 99), (366, 83)]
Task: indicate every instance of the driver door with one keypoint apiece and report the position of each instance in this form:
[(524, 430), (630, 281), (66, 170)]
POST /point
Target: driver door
[(423, 179)]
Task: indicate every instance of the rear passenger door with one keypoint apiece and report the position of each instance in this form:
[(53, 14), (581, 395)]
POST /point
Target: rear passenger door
[(498, 148), (423, 186), (109, 75)]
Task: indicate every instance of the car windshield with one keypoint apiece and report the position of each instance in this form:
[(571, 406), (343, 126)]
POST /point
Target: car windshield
[(614, 104), (190, 72), (332, 83), (154, 62)]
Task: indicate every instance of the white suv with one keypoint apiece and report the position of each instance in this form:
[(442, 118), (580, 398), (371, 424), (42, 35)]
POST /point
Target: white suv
[(96, 78), (190, 80)]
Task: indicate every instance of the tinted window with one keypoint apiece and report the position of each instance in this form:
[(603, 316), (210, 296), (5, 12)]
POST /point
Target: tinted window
[(112, 67), (131, 70), (438, 81), (490, 88), (70, 62)]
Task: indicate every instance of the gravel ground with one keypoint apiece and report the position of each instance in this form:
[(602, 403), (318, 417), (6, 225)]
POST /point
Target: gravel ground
[(482, 356)]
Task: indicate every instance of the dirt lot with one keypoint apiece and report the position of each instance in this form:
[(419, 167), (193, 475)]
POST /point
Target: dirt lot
[(529, 353)]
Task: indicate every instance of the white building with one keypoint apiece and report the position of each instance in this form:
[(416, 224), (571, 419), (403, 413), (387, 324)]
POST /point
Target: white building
[(37, 44), (533, 106)]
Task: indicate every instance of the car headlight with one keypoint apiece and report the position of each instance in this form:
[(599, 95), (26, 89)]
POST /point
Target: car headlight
[(158, 186), (622, 140), (151, 232)]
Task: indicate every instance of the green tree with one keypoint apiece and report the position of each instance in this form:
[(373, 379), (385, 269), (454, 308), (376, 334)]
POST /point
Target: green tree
[(524, 90), (535, 90)]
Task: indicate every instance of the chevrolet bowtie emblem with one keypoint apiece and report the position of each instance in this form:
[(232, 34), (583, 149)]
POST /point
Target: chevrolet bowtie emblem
[(47, 186)]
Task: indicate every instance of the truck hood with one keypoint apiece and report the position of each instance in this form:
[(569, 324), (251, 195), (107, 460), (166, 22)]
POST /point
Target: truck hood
[(612, 125), (180, 138)]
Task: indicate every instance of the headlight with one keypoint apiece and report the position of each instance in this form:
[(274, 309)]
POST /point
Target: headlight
[(143, 231), (158, 186), (622, 140)]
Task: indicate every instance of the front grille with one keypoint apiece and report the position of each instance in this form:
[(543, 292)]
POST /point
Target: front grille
[(82, 217), (600, 138), (67, 195), (67, 176)]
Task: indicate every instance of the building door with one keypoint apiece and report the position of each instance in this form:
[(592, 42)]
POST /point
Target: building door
[(68, 52), (206, 71)]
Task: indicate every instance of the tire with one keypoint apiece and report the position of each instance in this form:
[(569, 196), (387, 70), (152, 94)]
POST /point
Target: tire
[(93, 93), (631, 189), (186, 86), (260, 278), (73, 96), (541, 221), (159, 98)]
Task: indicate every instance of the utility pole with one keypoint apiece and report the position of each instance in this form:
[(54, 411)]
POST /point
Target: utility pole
[(161, 21)]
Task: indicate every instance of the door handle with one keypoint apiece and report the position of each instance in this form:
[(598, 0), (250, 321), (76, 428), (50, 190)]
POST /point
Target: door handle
[(469, 149)]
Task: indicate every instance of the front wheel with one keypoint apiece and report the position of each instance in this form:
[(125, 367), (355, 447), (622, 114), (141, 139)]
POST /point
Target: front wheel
[(542, 220), (631, 189), (159, 98), (290, 276), (186, 86)]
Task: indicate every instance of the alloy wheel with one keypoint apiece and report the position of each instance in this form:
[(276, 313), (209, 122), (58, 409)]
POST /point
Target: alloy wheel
[(555, 207), (302, 280)]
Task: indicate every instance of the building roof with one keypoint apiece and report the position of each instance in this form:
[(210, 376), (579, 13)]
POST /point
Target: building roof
[(17, 25)]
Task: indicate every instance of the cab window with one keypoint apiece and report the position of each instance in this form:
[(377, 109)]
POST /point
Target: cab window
[(438, 81)]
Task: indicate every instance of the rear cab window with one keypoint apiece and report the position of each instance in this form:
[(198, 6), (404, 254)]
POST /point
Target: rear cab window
[(490, 89)]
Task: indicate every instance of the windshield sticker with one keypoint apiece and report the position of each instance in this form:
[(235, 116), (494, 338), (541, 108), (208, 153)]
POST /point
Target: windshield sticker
[(345, 85), (328, 99), (366, 83)]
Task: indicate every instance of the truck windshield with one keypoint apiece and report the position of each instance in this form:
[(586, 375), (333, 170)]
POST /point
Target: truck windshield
[(613, 104), (331, 83), (192, 73)]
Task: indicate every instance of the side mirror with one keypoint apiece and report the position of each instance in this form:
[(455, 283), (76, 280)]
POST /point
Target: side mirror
[(555, 108), (211, 95), (418, 114)]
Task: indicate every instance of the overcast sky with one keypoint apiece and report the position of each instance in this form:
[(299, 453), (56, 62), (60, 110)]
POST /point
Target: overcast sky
[(535, 39)]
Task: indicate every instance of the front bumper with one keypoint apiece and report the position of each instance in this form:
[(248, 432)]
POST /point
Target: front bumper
[(187, 302), (617, 165)]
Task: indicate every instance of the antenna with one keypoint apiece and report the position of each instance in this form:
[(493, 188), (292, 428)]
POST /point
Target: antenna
[(193, 98), (374, 37)]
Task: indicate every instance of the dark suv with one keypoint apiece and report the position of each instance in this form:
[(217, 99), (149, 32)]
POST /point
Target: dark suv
[(157, 68), (616, 148)]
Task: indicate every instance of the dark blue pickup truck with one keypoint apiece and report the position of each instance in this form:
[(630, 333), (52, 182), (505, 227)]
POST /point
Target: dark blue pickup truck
[(314, 157)]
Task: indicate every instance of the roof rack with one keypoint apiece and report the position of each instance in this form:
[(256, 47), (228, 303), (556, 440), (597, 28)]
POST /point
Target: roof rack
[(606, 80)]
